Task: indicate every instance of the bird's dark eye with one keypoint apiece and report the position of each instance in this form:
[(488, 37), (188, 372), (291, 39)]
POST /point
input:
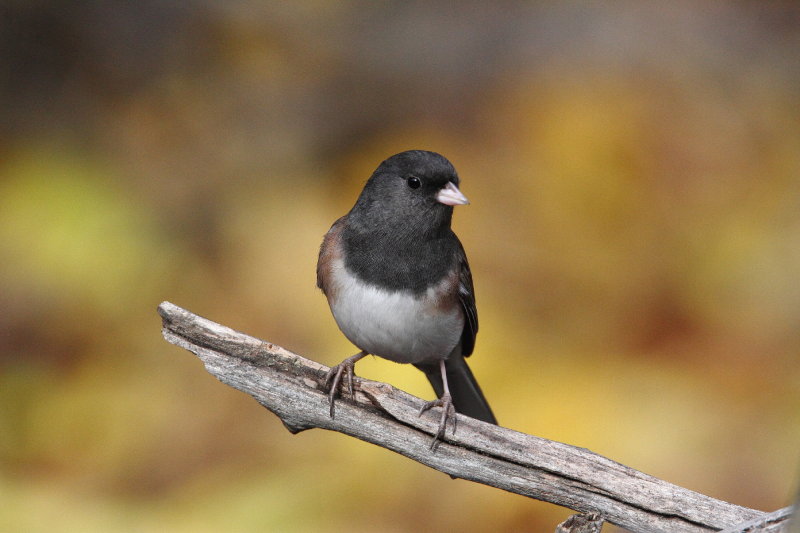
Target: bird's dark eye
[(414, 182)]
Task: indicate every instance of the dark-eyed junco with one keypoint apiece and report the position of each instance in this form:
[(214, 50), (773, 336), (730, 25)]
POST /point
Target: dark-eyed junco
[(398, 282)]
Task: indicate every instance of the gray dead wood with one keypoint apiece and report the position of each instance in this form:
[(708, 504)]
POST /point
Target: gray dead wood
[(293, 388), (581, 523), (774, 522)]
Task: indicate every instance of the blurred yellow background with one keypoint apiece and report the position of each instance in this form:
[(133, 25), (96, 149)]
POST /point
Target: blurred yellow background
[(634, 234)]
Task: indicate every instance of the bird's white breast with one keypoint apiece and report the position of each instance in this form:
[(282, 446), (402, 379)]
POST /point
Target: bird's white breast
[(398, 326)]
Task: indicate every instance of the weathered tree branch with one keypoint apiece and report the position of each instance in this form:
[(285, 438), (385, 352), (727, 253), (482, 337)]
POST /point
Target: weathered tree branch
[(292, 387)]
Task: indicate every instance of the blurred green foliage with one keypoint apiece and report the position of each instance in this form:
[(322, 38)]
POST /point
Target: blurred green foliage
[(634, 233)]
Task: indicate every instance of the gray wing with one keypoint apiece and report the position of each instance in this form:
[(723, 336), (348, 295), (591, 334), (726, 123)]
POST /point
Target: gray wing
[(466, 297)]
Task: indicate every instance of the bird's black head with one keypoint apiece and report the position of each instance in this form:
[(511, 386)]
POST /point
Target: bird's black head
[(414, 190)]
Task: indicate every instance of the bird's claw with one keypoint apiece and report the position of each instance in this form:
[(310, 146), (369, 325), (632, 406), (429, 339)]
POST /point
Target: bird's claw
[(448, 411), (334, 378)]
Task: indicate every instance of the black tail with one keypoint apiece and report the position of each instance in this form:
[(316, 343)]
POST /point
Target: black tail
[(467, 396)]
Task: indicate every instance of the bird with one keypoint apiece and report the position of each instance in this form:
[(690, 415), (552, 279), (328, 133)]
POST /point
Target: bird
[(399, 286)]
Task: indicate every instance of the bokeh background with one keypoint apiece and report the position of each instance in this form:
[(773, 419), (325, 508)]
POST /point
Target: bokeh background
[(634, 233)]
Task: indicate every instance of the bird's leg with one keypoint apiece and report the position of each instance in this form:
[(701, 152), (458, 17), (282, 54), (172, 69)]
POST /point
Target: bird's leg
[(446, 403), (334, 377)]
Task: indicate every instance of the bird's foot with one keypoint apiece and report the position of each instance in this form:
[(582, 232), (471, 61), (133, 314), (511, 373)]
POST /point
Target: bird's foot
[(448, 411), (334, 378)]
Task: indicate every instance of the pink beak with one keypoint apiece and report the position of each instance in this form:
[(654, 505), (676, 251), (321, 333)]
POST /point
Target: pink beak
[(450, 195)]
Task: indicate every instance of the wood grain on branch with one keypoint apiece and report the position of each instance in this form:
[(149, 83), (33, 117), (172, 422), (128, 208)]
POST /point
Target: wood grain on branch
[(293, 388)]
